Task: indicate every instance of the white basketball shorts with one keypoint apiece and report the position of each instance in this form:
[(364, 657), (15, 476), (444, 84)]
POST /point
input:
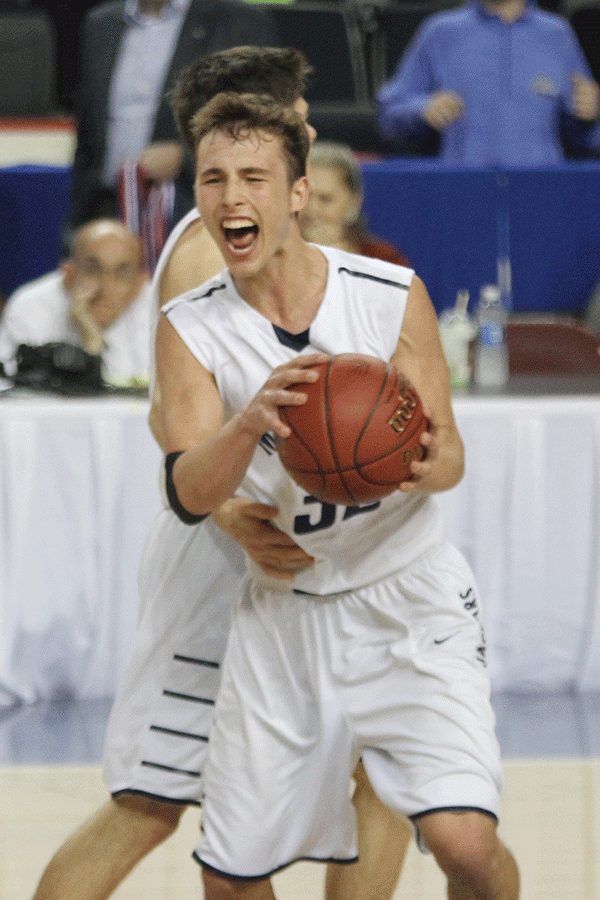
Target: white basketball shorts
[(157, 733), (393, 673)]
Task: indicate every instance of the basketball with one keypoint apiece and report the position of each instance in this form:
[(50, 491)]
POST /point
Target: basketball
[(354, 439)]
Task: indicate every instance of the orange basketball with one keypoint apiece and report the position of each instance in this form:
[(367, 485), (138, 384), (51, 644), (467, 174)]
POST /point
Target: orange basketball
[(354, 439)]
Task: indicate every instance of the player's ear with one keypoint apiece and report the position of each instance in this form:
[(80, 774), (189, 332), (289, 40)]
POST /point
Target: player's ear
[(300, 194)]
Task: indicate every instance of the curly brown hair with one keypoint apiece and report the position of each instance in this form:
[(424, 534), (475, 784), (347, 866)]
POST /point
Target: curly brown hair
[(280, 73), (238, 115)]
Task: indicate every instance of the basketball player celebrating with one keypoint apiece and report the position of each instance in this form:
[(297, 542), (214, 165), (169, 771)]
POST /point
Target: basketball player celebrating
[(376, 649), (155, 743)]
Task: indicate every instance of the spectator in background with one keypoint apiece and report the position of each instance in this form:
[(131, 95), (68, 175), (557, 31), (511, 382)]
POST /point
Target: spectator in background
[(67, 17), (130, 54), (98, 300), (334, 216), (501, 82)]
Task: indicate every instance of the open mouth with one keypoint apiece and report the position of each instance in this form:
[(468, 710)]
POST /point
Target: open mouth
[(241, 235)]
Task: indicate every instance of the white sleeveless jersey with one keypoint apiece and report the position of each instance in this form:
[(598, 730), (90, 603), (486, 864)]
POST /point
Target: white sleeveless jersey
[(362, 312)]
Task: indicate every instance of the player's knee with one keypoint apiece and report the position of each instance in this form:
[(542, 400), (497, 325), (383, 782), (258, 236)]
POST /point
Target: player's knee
[(466, 848), (158, 819)]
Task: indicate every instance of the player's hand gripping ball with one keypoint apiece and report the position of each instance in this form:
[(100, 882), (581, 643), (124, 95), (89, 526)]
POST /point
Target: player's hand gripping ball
[(354, 439)]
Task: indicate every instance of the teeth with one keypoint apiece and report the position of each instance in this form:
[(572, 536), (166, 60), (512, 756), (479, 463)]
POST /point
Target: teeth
[(237, 223)]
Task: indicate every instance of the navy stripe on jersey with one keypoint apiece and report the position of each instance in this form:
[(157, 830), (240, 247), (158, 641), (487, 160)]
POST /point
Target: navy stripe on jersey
[(154, 765), (197, 662), (191, 697), (176, 801), (267, 442), (190, 298), (370, 277), (294, 341), (176, 733)]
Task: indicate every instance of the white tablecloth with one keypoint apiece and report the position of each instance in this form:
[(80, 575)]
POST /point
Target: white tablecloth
[(79, 489), (527, 517)]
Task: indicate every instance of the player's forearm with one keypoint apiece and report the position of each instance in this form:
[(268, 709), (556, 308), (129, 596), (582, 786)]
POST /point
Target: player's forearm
[(210, 473), (449, 467)]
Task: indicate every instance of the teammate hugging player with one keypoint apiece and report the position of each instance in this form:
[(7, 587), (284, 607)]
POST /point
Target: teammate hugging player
[(370, 651)]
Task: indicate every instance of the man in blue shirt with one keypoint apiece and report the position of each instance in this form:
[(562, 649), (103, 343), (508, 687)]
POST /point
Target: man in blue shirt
[(502, 83)]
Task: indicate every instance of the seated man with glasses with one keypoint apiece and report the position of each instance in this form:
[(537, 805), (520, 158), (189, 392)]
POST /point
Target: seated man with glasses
[(98, 300)]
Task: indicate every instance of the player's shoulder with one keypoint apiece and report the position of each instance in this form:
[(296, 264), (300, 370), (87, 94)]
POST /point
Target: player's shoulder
[(180, 235), (191, 260), (185, 250), (197, 253), (365, 270), (200, 299)]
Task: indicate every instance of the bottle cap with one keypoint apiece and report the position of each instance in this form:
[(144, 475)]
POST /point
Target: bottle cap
[(490, 293)]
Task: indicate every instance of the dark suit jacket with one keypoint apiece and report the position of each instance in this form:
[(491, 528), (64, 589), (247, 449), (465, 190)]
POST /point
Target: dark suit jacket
[(209, 26)]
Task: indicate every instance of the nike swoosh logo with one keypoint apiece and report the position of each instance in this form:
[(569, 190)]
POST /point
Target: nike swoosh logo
[(444, 639)]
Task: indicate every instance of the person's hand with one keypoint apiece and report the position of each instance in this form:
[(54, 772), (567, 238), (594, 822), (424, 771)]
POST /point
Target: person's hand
[(83, 292), (250, 524), (421, 470), (262, 413), (585, 98), (162, 161), (442, 109), (427, 474)]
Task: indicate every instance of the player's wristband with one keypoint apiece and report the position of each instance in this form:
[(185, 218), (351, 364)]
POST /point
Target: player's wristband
[(174, 502)]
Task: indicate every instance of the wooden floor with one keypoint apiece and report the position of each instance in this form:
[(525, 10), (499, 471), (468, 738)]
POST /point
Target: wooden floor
[(551, 814), (551, 820)]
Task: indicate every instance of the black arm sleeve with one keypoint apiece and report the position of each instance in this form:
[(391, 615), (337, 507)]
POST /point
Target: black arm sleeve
[(174, 502)]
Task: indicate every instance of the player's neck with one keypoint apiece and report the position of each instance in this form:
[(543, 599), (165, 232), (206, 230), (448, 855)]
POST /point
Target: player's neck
[(507, 10), (290, 289)]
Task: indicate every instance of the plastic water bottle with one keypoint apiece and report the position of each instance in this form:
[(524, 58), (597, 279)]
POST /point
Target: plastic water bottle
[(457, 330), (491, 350)]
